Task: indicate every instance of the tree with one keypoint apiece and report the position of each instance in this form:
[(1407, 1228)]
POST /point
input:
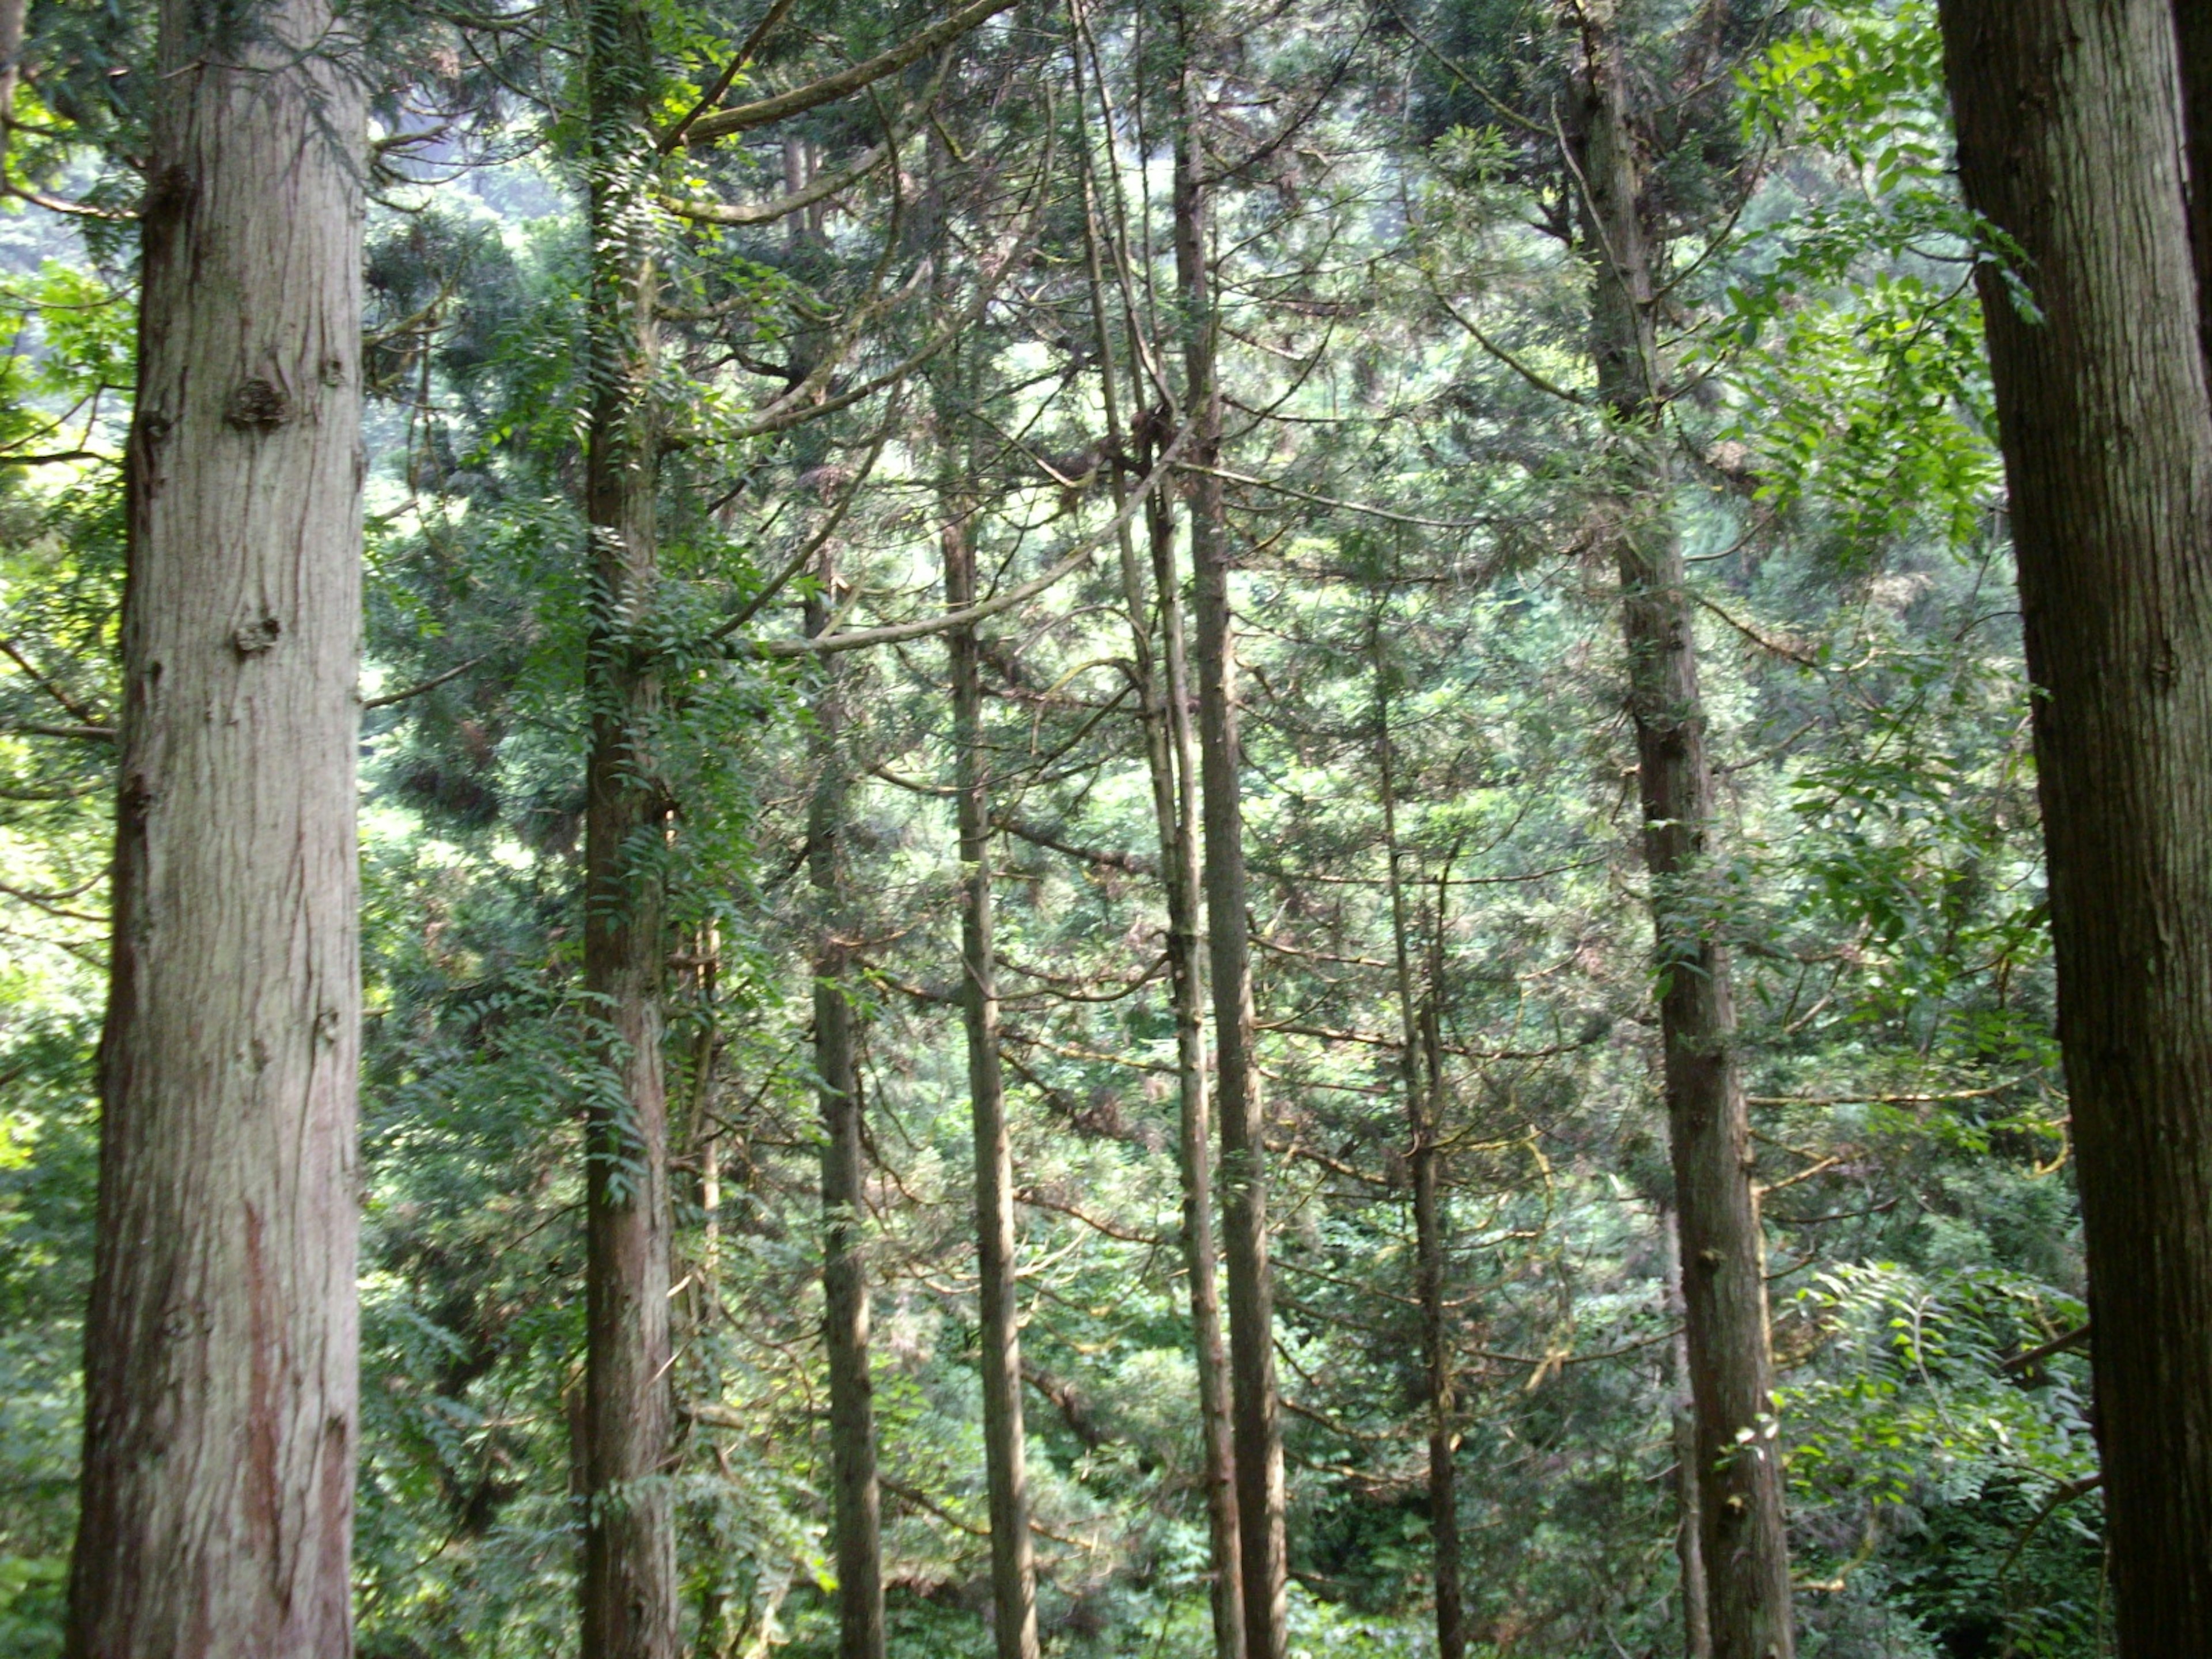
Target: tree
[(2068, 143), (220, 1349)]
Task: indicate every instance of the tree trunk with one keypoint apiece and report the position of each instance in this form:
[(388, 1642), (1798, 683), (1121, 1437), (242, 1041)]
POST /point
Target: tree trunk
[(1170, 754), (1257, 1429), (855, 1503), (1742, 1536), (2192, 26), (1689, 1543), (1420, 1069), (629, 1584), (1013, 1577), (220, 1343), (2069, 142)]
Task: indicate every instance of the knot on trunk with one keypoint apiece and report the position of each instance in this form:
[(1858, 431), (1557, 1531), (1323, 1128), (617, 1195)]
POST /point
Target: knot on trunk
[(258, 406)]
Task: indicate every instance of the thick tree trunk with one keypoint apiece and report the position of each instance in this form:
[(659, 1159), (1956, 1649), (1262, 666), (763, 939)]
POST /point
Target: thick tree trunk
[(855, 1501), (1420, 1069), (629, 1584), (1171, 757), (1013, 1576), (2068, 140), (220, 1347), (1254, 1407), (1742, 1535)]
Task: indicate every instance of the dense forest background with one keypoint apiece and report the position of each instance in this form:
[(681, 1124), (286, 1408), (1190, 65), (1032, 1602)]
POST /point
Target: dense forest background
[(929, 341)]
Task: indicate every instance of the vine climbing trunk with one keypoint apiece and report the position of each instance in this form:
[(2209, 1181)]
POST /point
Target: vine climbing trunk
[(855, 1499), (216, 1496), (2068, 143), (1742, 1537), (629, 1583), (1013, 1572), (1254, 1409)]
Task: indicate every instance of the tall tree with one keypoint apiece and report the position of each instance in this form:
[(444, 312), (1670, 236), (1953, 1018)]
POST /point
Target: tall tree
[(629, 1582), (1743, 1541), (1162, 672), (2068, 143), (1255, 1408), (855, 1498), (219, 1349), (1013, 1575)]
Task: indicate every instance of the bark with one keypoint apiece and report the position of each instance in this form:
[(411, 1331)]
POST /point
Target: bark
[(1254, 1410), (1013, 1576), (1689, 1546), (1171, 754), (629, 1583), (219, 1349), (855, 1501), (2068, 141), (1421, 1061), (1742, 1535), (2192, 26)]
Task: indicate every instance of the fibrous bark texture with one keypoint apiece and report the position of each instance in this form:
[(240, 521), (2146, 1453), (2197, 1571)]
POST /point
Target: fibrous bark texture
[(629, 1584), (2068, 141), (1743, 1541), (220, 1402)]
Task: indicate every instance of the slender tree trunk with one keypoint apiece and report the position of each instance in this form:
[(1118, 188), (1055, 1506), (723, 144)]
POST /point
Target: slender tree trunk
[(2067, 142), (1689, 1543), (1013, 1576), (220, 1347), (1421, 1057), (1743, 1539), (856, 1503), (1170, 754), (629, 1584), (1254, 1407)]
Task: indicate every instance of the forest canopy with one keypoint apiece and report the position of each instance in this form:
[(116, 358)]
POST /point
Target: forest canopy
[(1235, 828)]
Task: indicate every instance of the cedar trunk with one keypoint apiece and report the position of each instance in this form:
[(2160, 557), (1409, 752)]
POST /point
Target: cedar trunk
[(1257, 1431), (1013, 1575), (1742, 1538), (629, 1583), (2069, 142), (855, 1502), (220, 1343), (1171, 758)]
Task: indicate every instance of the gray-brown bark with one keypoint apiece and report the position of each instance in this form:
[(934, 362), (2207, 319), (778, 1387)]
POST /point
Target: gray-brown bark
[(1163, 680), (1689, 1541), (855, 1500), (2068, 141), (1013, 1575), (1742, 1536), (1254, 1409), (220, 1348), (629, 1584)]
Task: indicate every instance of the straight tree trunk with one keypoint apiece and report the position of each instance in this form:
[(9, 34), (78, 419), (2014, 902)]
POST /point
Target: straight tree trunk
[(1689, 1542), (1421, 1057), (1254, 1407), (629, 1583), (220, 1343), (1013, 1574), (2192, 26), (1170, 754), (1742, 1535), (855, 1502), (2069, 142)]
